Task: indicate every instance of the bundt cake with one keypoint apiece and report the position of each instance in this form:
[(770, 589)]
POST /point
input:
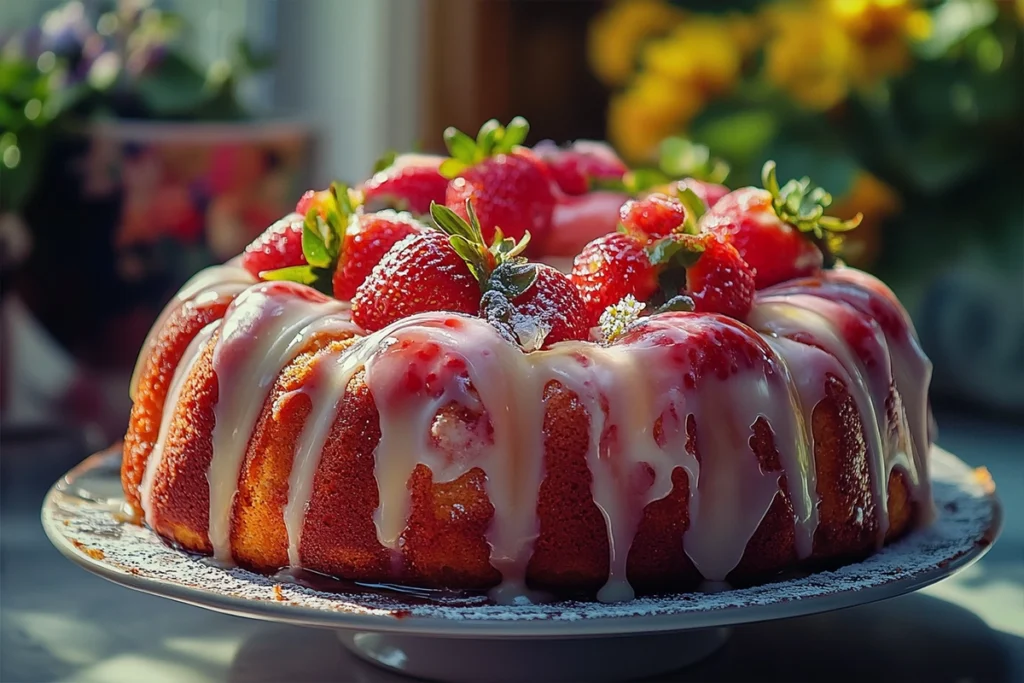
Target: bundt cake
[(275, 426)]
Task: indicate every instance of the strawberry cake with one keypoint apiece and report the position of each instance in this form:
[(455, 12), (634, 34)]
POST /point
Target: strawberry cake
[(383, 387)]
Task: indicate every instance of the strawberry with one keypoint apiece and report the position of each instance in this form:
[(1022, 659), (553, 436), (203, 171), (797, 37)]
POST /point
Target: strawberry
[(684, 270), (781, 232), (418, 274), (410, 183), (309, 199), (280, 246), (444, 270), (365, 244), (610, 268), (719, 281), (509, 186), (549, 311), (579, 166), (656, 215)]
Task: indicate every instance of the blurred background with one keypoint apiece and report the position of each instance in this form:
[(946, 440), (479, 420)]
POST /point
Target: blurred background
[(142, 140)]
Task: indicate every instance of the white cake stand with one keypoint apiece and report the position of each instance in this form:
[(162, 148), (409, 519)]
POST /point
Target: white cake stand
[(468, 639)]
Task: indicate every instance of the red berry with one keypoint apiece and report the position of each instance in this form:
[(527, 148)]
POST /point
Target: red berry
[(575, 167), (280, 246), (656, 215), (720, 281), (509, 191), (419, 274), (610, 268), (309, 199), (709, 193), (776, 250), (410, 184), (365, 245), (554, 302)]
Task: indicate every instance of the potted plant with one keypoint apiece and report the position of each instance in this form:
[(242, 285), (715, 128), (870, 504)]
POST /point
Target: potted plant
[(129, 166)]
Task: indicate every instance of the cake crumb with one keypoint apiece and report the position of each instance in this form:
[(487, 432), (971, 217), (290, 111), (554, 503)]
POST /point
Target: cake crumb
[(94, 553)]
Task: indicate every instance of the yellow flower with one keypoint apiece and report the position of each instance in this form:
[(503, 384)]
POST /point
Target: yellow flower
[(618, 33), (651, 109), (877, 201), (880, 30), (809, 56), (700, 53)]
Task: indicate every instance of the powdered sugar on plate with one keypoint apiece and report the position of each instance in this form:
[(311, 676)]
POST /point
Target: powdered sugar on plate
[(88, 529)]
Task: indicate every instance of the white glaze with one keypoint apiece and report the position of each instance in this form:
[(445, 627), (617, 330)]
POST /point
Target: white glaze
[(262, 331), (625, 388), (206, 285), (181, 373)]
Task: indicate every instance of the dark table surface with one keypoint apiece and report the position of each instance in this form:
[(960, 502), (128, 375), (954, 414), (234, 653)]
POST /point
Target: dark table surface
[(57, 622)]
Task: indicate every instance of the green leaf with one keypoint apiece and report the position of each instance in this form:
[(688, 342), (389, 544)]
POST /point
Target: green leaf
[(250, 59), (173, 87), (313, 246), (674, 251), (489, 136), (450, 222), (513, 278), (679, 157), (952, 22), (460, 146), (385, 161), (305, 275), (739, 136), (452, 167), (642, 179), (695, 209), (515, 134)]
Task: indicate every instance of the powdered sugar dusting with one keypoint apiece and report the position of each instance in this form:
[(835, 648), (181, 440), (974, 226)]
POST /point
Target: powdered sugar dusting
[(966, 515)]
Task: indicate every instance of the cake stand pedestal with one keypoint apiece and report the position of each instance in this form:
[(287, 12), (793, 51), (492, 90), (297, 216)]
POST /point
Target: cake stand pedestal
[(548, 660)]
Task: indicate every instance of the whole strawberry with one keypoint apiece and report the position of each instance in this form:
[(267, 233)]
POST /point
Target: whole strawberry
[(549, 311), (366, 242), (781, 232), (510, 188), (279, 246), (309, 199), (655, 215), (410, 182), (582, 165), (610, 268), (418, 274), (717, 278)]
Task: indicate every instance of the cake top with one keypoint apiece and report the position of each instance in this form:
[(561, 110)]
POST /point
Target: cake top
[(456, 234)]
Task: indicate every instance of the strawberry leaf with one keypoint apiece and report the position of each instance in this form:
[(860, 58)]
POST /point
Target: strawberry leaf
[(673, 251), (515, 133), (489, 136), (694, 210), (460, 145), (314, 248), (513, 278), (305, 275), (450, 222), (451, 168)]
